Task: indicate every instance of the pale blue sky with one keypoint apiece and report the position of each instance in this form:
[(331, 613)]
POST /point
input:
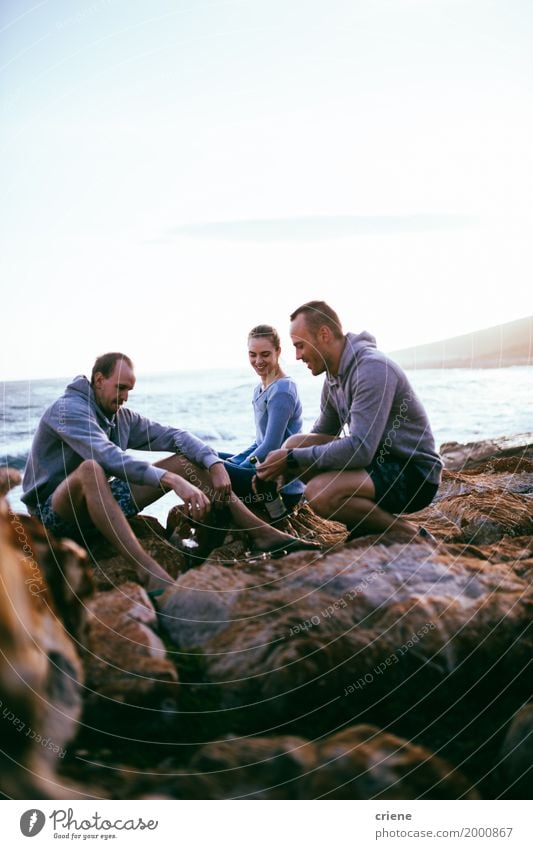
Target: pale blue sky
[(173, 173)]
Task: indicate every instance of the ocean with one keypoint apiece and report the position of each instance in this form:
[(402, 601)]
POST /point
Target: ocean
[(464, 405)]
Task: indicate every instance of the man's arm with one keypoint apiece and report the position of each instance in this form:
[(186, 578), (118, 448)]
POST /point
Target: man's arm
[(328, 421), (75, 424), (146, 435), (371, 407)]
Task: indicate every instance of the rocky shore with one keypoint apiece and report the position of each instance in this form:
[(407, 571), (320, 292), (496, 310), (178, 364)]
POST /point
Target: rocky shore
[(376, 669)]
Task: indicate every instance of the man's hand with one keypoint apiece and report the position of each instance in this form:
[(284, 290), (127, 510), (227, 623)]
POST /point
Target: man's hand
[(197, 503), (274, 465), (221, 484)]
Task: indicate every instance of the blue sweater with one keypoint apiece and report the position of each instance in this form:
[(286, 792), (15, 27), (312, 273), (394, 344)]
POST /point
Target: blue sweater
[(278, 415), (373, 398), (74, 428)]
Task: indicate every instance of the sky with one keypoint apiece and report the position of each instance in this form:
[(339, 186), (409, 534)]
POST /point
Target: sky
[(174, 173)]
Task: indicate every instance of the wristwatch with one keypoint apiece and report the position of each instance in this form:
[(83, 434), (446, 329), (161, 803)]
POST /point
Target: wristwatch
[(291, 461)]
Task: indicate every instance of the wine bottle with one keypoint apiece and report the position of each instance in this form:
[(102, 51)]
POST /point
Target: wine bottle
[(272, 499)]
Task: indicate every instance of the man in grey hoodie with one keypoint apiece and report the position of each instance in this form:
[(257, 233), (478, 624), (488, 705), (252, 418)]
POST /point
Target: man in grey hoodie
[(81, 442), (371, 454)]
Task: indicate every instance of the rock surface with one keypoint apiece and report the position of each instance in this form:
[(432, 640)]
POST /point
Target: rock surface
[(517, 755), (419, 653), (340, 633), (40, 671), (359, 762)]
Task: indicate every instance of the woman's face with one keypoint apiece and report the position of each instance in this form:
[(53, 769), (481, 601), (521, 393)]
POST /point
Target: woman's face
[(263, 355)]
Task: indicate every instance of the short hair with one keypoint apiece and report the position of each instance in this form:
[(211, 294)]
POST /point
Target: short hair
[(107, 362), (268, 332), (317, 314)]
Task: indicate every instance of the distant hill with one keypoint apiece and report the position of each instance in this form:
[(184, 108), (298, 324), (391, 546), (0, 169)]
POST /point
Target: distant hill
[(509, 344)]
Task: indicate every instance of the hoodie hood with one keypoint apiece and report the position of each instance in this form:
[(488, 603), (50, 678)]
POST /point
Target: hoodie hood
[(82, 387), (80, 384), (356, 343)]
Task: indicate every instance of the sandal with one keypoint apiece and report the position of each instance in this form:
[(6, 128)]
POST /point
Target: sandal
[(293, 545)]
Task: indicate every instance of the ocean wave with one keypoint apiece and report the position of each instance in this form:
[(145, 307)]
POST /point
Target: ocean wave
[(15, 461), (214, 435)]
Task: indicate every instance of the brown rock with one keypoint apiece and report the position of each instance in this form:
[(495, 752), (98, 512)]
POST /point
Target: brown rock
[(458, 455), (68, 574), (360, 762), (481, 517), (113, 570), (515, 479), (8, 479), (281, 640), (40, 673), (364, 762), (517, 755), (126, 662)]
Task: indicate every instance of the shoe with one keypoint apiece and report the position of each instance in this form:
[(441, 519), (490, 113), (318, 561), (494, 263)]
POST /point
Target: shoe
[(293, 545)]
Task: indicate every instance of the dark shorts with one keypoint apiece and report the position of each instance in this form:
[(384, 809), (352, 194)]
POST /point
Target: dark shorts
[(62, 528), (400, 487)]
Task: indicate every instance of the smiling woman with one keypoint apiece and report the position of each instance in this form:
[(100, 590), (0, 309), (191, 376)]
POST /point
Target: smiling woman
[(278, 415)]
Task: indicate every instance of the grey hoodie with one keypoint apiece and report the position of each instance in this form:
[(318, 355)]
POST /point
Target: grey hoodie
[(74, 429), (372, 396)]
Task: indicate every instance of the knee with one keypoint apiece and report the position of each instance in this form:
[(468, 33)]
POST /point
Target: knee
[(90, 471), (294, 441), (319, 497)]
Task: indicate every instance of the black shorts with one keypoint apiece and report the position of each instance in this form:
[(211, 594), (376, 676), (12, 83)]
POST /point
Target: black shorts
[(400, 487)]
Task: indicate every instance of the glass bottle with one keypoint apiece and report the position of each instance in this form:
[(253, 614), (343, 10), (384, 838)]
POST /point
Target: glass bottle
[(272, 499)]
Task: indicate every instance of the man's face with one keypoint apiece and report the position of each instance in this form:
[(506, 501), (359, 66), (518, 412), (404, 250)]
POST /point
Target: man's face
[(111, 392), (308, 347)]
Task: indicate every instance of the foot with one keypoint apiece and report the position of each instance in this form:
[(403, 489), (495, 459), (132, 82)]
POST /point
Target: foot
[(155, 580), (284, 544)]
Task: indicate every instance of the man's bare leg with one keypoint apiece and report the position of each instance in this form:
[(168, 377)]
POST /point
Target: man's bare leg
[(348, 497), (263, 535), (85, 497)]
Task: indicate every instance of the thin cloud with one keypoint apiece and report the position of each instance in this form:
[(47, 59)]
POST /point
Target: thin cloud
[(321, 227)]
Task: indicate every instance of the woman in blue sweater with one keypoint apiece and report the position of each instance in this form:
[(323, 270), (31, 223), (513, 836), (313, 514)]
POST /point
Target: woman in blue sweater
[(278, 415)]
